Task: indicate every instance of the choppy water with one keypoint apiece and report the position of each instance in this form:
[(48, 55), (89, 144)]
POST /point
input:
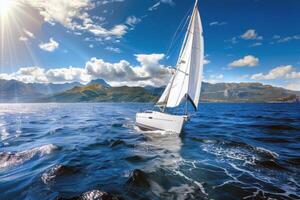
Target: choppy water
[(94, 151)]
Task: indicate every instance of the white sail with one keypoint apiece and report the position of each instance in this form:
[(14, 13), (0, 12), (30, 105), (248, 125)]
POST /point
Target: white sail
[(186, 82)]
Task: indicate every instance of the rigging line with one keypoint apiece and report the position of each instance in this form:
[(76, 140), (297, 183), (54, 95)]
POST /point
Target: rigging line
[(185, 18)]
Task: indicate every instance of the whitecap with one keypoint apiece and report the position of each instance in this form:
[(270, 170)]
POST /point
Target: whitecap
[(201, 187), (4, 134), (8, 159)]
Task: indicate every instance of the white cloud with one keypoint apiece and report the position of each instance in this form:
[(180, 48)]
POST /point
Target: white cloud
[(22, 38), (74, 16), (293, 75), (249, 60), (148, 72), (26, 35), (217, 23), (170, 2), (278, 72), (206, 62), (104, 2), (215, 78), (116, 31), (132, 20), (156, 5), (71, 74), (256, 44), (232, 40), (62, 11), (251, 34), (287, 39), (294, 86), (49, 46), (113, 49)]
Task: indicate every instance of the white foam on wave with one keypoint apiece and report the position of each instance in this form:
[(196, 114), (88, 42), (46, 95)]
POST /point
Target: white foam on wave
[(50, 175), (92, 195), (231, 153), (4, 134), (201, 187), (8, 159)]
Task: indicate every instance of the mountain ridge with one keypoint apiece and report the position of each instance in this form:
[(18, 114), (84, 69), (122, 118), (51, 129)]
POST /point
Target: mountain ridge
[(100, 91)]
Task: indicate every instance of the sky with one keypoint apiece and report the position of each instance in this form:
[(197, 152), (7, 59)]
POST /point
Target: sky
[(133, 42)]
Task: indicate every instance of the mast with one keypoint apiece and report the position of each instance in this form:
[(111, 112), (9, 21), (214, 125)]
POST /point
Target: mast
[(186, 81)]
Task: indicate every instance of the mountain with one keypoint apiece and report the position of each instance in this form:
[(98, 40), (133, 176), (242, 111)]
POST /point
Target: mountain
[(246, 92), (100, 93), (98, 90), (51, 88), (17, 91), (100, 82), (240, 92)]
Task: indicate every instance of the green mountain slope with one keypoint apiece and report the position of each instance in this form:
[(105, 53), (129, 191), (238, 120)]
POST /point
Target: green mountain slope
[(100, 93), (246, 92)]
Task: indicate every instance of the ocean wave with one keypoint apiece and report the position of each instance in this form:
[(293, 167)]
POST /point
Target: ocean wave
[(92, 195), (56, 171), (8, 159), (4, 134)]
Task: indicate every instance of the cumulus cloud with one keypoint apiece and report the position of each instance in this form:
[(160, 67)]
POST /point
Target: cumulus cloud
[(50, 46), (148, 72), (249, 61), (251, 34), (62, 11), (278, 72), (71, 74)]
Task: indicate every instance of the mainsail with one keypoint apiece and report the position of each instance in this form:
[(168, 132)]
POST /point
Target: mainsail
[(185, 84)]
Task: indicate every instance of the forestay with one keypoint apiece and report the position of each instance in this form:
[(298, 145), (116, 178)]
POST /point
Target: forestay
[(185, 84)]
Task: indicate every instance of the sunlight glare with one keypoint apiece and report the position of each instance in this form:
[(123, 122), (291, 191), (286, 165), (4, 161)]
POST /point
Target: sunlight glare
[(6, 6)]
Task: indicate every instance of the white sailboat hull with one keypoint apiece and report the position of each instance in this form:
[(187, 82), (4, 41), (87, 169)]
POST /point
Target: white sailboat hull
[(152, 120)]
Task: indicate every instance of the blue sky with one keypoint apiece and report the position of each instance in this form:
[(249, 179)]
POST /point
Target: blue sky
[(127, 41)]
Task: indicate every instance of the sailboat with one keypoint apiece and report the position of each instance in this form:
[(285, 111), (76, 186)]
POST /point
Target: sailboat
[(185, 84)]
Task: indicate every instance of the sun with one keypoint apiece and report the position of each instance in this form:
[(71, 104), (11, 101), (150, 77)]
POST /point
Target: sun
[(6, 6)]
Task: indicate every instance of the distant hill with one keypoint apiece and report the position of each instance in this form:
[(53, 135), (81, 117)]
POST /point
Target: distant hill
[(246, 92), (100, 82), (17, 91), (100, 93), (51, 88), (241, 92)]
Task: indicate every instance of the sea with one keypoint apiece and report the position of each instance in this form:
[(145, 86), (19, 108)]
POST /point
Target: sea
[(95, 151)]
